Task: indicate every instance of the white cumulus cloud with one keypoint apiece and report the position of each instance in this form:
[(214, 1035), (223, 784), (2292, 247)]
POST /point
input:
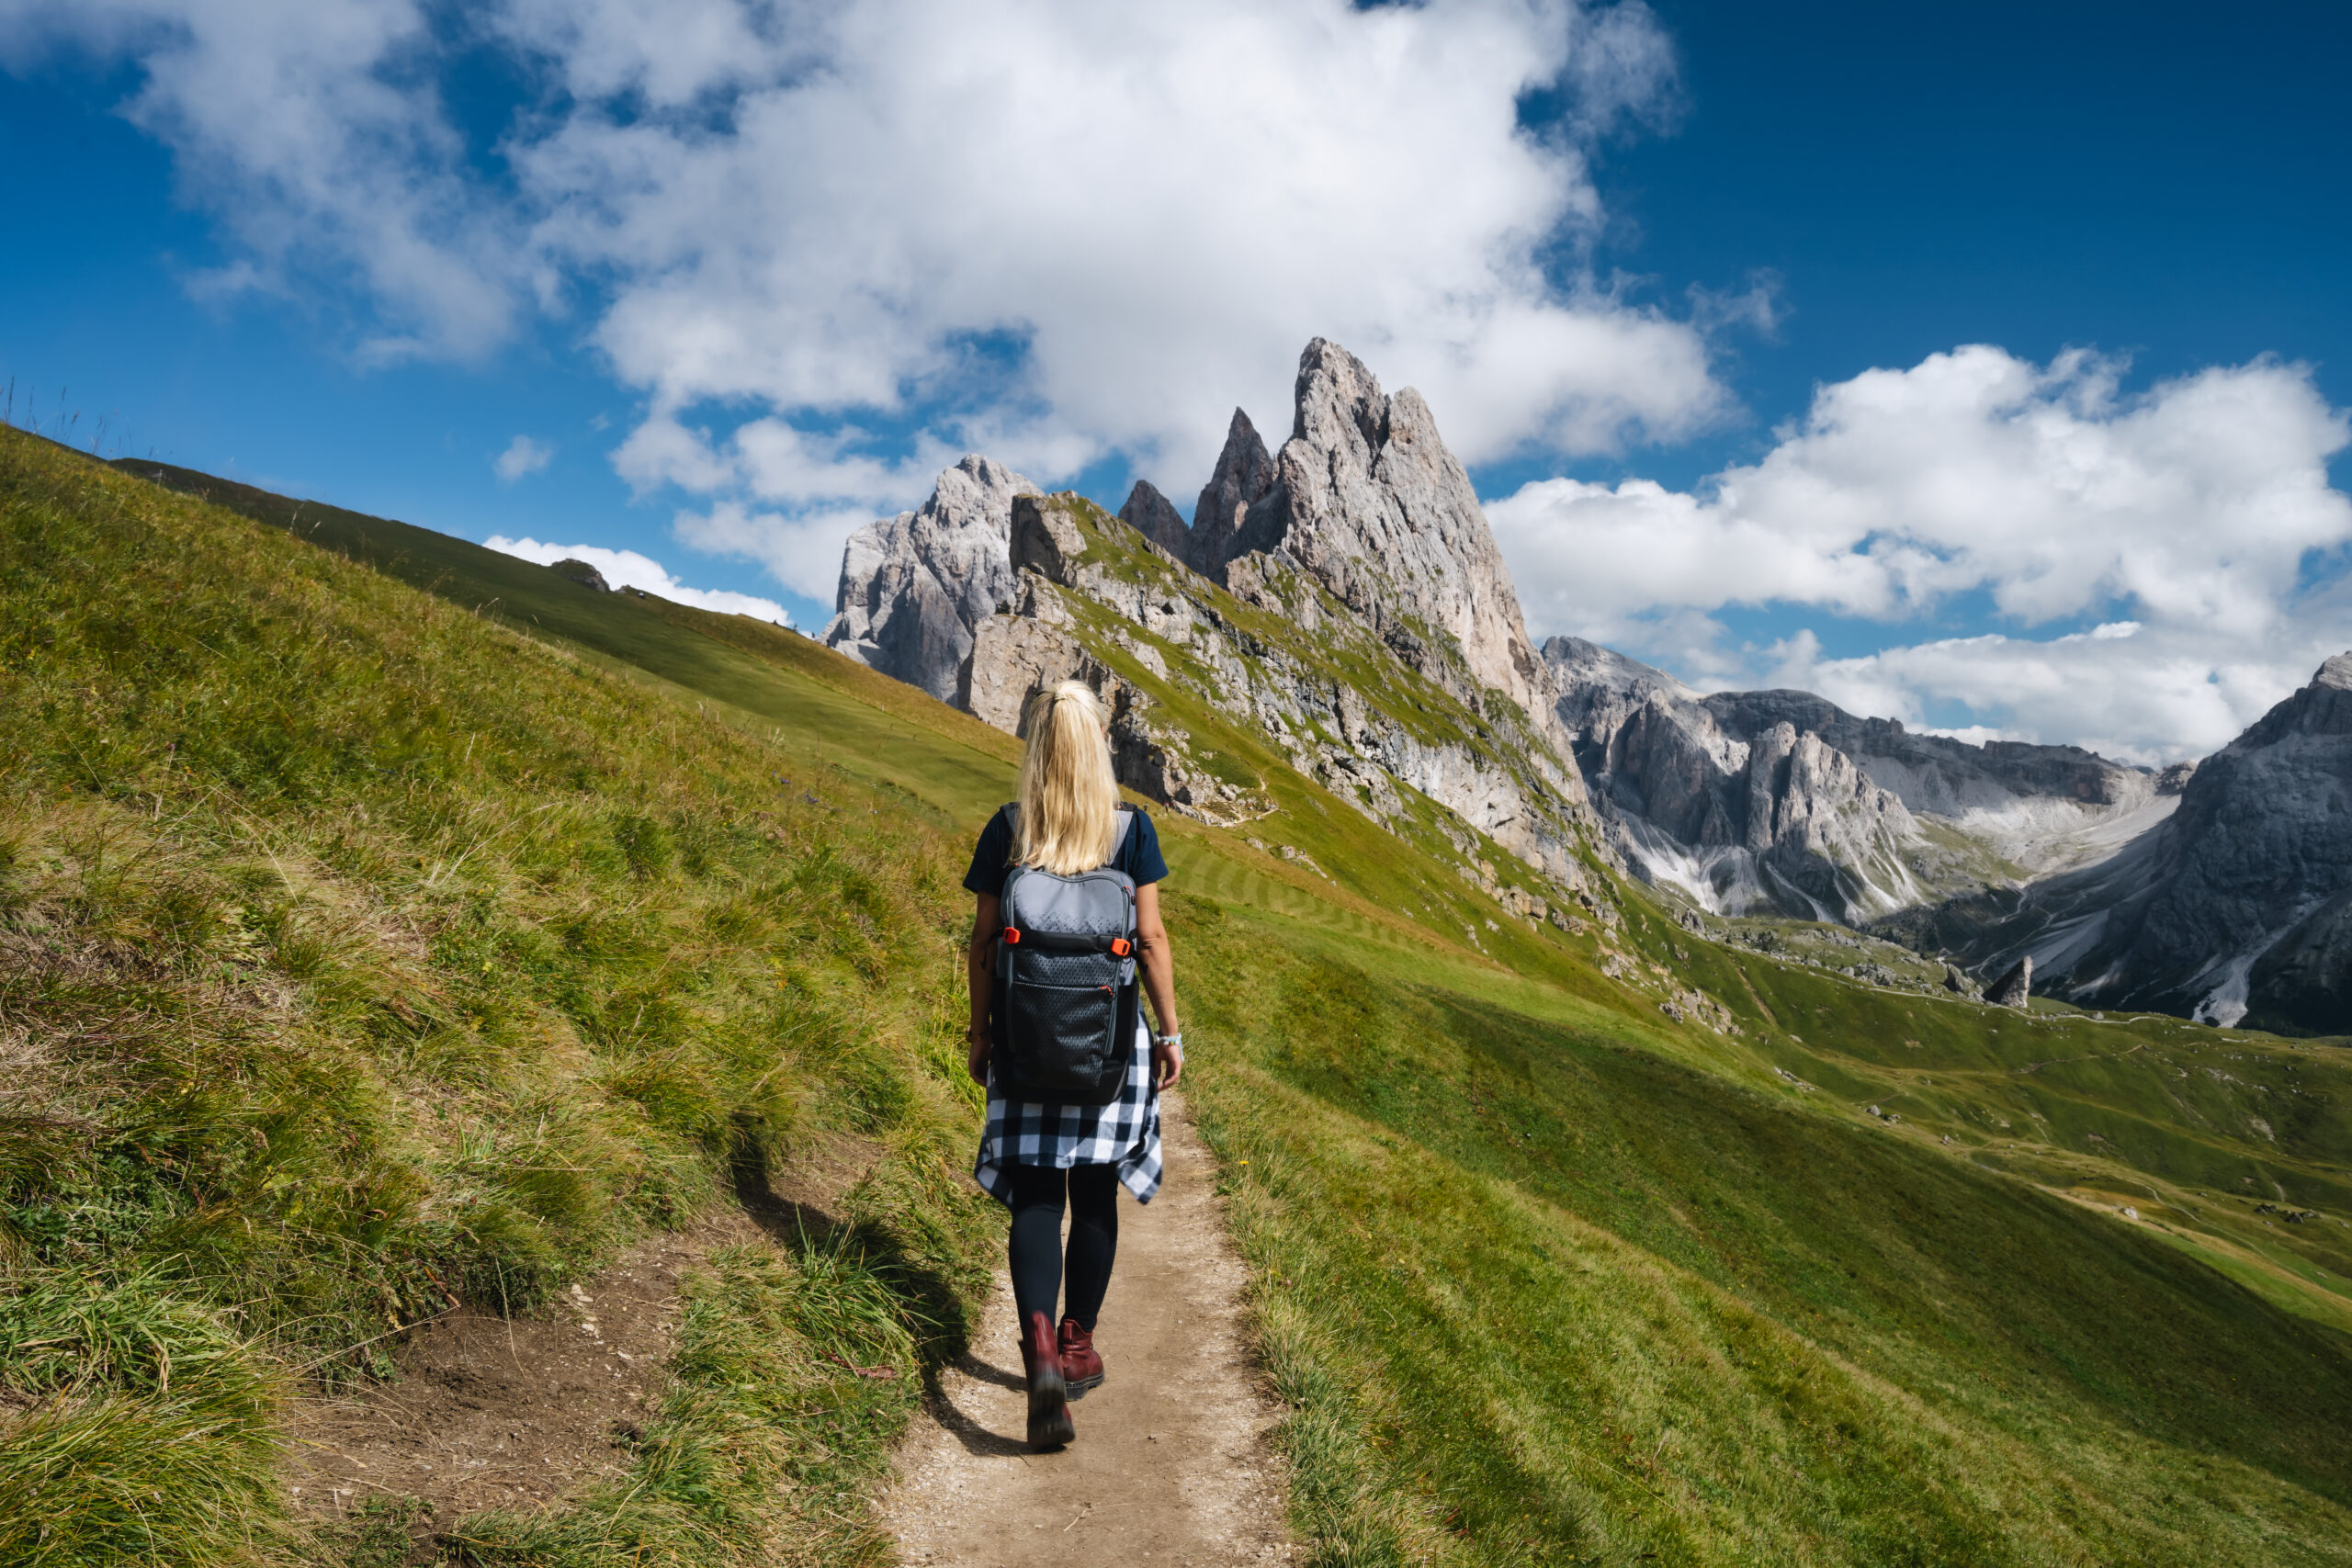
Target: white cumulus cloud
[(627, 568), (1050, 230), (523, 455), (2188, 518)]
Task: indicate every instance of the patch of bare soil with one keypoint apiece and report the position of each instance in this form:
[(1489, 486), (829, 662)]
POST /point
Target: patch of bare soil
[(504, 1412), (1172, 1463)]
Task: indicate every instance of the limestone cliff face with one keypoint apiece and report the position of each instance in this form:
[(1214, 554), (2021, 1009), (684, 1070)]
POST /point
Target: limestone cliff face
[(914, 586), (1777, 820), (1367, 500), (1819, 826)]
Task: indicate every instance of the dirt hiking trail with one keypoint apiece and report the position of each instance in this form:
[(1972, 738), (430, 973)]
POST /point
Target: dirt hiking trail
[(520, 1411), (1171, 1465)]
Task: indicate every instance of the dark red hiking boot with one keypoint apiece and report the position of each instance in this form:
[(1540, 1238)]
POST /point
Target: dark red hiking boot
[(1049, 1422), (1082, 1364)]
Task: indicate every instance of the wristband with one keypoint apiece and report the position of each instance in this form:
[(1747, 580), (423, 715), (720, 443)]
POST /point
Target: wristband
[(1176, 1040)]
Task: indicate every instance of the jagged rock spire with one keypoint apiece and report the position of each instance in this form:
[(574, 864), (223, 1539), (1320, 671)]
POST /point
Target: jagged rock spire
[(1367, 498), (1244, 474), (1154, 516)]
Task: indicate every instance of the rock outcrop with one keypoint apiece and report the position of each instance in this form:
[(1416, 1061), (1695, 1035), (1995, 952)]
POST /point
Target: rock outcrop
[(914, 586), (1154, 516), (581, 572), (2235, 909), (2015, 987)]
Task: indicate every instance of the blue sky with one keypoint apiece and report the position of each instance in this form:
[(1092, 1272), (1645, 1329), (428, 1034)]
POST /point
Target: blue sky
[(362, 267)]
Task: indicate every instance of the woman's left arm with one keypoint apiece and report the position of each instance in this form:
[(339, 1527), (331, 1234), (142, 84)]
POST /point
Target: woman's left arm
[(1159, 981), (979, 970)]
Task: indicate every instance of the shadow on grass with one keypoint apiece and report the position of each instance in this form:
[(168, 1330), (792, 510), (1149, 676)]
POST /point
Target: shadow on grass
[(935, 1311)]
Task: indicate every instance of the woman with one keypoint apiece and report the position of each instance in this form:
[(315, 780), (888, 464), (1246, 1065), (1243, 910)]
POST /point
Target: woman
[(1034, 1156)]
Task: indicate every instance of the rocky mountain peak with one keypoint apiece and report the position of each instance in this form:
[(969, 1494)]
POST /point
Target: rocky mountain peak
[(1178, 659), (1154, 516), (913, 587), (1368, 500), (2323, 707), (1336, 403)]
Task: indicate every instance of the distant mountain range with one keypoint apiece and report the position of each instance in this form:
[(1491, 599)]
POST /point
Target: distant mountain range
[(1344, 597)]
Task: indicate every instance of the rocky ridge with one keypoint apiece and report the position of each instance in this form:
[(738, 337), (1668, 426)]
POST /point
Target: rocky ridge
[(2236, 909), (1174, 654), (1779, 800), (1345, 601)]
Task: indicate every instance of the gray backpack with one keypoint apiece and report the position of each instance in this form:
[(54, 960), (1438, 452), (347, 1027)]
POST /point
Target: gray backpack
[(1065, 1008)]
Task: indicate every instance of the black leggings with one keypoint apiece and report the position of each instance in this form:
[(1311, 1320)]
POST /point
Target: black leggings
[(1036, 1247)]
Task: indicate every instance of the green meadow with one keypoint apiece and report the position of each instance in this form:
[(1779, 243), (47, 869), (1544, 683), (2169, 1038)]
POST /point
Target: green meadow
[(385, 923)]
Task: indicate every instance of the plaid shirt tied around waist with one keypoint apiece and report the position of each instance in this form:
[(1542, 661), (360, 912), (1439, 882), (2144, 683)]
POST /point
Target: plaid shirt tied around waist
[(1124, 1132)]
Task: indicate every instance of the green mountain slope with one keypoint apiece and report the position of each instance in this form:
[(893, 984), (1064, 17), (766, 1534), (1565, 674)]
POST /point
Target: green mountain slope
[(445, 956)]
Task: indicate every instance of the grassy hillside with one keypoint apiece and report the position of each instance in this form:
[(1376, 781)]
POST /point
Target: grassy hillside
[(365, 946), (358, 956)]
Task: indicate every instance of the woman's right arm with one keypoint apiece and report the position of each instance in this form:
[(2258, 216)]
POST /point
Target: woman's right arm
[(1159, 983), (979, 971)]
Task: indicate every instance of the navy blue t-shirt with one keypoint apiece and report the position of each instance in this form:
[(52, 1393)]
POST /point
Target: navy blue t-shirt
[(1137, 856)]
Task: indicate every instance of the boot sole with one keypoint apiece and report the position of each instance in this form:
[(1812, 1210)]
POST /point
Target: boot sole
[(1078, 1386), (1049, 1422)]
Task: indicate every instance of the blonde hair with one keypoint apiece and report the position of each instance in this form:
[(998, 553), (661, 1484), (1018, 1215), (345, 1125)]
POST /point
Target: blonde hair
[(1068, 795)]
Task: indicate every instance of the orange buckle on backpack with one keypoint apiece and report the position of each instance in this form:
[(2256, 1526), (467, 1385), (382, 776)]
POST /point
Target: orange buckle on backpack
[(1012, 935), (1121, 947)]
